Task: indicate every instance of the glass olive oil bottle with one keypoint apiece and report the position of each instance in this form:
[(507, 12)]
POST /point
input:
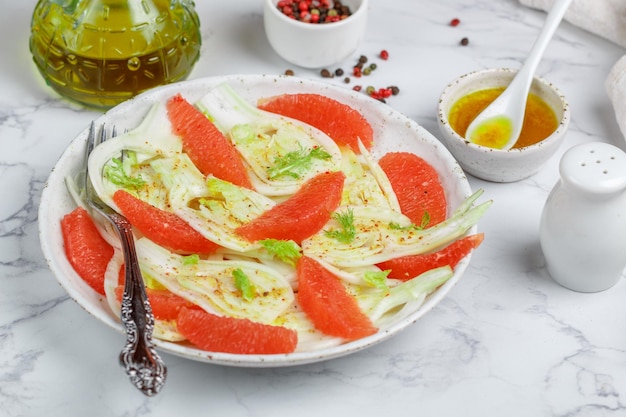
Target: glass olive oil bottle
[(103, 52)]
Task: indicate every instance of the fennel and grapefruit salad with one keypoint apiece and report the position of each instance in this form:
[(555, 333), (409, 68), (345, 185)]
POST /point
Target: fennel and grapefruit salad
[(268, 228)]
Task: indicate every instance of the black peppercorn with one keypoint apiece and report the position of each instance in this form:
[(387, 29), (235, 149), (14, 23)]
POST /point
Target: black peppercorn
[(326, 74)]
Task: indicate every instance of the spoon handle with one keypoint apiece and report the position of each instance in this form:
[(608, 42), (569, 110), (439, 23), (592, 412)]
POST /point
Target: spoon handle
[(555, 15)]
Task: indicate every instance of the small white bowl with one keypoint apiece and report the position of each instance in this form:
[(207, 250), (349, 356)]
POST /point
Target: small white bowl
[(315, 45), (495, 164)]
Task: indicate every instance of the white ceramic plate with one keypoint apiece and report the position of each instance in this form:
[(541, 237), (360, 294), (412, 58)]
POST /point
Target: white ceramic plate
[(392, 130)]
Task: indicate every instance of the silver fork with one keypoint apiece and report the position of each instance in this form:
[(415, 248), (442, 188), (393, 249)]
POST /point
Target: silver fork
[(138, 357)]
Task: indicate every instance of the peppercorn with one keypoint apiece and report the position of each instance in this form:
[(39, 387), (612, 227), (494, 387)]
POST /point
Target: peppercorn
[(338, 72), (367, 71), (326, 74), (373, 66), (394, 90), (356, 71), (370, 90), (362, 59), (289, 72), (455, 22), (357, 88), (384, 54), (346, 80), (384, 92), (287, 10), (464, 41)]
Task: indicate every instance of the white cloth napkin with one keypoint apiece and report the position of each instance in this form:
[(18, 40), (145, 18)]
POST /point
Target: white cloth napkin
[(606, 18)]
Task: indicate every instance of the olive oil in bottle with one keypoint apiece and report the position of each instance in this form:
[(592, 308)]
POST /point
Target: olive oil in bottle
[(102, 52)]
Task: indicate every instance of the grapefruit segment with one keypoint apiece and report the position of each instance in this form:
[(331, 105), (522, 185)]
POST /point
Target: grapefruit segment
[(234, 335), (162, 227), (300, 216), (328, 304), (211, 151), (342, 123), (87, 251), (407, 267), (417, 187)]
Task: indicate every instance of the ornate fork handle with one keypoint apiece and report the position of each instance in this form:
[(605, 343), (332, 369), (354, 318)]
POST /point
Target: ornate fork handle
[(138, 357)]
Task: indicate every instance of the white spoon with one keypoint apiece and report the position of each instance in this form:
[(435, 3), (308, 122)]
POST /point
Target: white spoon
[(499, 124)]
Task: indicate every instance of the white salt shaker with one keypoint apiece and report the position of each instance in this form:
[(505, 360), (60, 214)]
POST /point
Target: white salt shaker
[(583, 224)]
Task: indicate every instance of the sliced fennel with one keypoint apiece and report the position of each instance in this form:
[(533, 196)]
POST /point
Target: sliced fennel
[(265, 139), (362, 186), (211, 206), (258, 255), (376, 302), (357, 275), (111, 280), (211, 284), (153, 138), (378, 237), (166, 330), (381, 178)]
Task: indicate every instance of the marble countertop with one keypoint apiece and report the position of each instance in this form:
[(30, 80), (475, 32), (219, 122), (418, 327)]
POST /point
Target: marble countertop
[(507, 340)]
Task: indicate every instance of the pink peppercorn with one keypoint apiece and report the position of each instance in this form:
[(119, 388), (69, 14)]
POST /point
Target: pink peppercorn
[(384, 92)]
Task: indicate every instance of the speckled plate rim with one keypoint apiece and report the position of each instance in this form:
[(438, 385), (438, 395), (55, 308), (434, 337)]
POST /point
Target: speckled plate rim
[(393, 132)]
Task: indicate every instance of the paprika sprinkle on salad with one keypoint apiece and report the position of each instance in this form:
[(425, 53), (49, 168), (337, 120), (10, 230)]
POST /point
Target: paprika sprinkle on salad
[(314, 11)]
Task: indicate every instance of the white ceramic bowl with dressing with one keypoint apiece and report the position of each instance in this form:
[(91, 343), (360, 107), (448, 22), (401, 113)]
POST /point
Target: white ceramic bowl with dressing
[(495, 164), (315, 45)]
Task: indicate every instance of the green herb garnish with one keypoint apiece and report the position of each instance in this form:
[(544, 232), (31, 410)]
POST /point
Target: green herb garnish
[(377, 279), (243, 284), (116, 173), (295, 163), (191, 259), (347, 232), (412, 226), (287, 251)]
